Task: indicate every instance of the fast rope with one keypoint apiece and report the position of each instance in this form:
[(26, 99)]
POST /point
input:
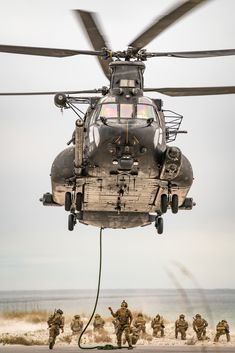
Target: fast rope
[(107, 346)]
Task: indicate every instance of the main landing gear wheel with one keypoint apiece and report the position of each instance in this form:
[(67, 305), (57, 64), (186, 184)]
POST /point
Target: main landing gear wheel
[(71, 221), (79, 200), (164, 203), (159, 225), (68, 201), (175, 203)]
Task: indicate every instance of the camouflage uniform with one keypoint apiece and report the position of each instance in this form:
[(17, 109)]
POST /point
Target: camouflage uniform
[(134, 335), (115, 324), (157, 325), (98, 323), (222, 328), (124, 317), (139, 323), (199, 326), (76, 325), (55, 323), (181, 326)]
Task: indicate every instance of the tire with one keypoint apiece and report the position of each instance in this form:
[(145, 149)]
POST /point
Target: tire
[(71, 222), (164, 203), (79, 201), (175, 203), (160, 225), (67, 201)]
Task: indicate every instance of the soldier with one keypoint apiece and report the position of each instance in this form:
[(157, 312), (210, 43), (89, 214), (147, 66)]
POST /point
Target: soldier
[(124, 317), (76, 325), (181, 326), (98, 323), (199, 326), (157, 325), (222, 328), (55, 323), (139, 323)]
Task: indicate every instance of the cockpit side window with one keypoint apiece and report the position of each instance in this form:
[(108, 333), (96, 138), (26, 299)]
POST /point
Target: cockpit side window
[(145, 111)]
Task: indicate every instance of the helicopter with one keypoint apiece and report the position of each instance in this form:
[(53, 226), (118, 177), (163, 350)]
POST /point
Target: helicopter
[(120, 171)]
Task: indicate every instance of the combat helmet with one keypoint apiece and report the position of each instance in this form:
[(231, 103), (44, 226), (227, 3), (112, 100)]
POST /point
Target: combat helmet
[(198, 316), (77, 316), (97, 315), (59, 311), (182, 316), (140, 314), (124, 304)]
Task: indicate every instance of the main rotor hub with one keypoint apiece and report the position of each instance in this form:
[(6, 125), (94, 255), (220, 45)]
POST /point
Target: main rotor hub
[(127, 74)]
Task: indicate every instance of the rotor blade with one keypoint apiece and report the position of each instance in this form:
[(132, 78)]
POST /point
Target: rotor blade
[(60, 53), (47, 93), (159, 25), (195, 54), (192, 91), (95, 35)]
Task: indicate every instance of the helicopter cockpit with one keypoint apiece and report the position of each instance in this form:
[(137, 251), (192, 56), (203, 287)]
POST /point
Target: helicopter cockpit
[(142, 109)]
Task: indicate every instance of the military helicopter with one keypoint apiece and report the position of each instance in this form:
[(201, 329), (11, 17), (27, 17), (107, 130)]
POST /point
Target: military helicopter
[(120, 171)]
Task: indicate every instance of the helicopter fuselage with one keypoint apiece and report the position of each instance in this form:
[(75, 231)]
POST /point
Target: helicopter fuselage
[(126, 165), (121, 173)]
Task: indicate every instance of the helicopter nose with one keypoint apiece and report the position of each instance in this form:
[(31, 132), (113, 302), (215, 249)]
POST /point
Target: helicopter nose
[(126, 162)]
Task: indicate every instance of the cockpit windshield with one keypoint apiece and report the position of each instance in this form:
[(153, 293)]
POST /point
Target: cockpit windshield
[(109, 110), (145, 111), (126, 111)]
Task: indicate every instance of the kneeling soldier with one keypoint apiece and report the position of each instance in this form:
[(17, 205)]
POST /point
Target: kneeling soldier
[(76, 325), (98, 324), (222, 328), (139, 323), (181, 327), (199, 326), (157, 325)]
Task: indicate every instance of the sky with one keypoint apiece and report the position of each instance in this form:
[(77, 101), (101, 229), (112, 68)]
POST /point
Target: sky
[(36, 249)]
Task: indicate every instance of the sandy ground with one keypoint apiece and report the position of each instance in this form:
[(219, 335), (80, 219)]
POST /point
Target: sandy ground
[(12, 331)]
